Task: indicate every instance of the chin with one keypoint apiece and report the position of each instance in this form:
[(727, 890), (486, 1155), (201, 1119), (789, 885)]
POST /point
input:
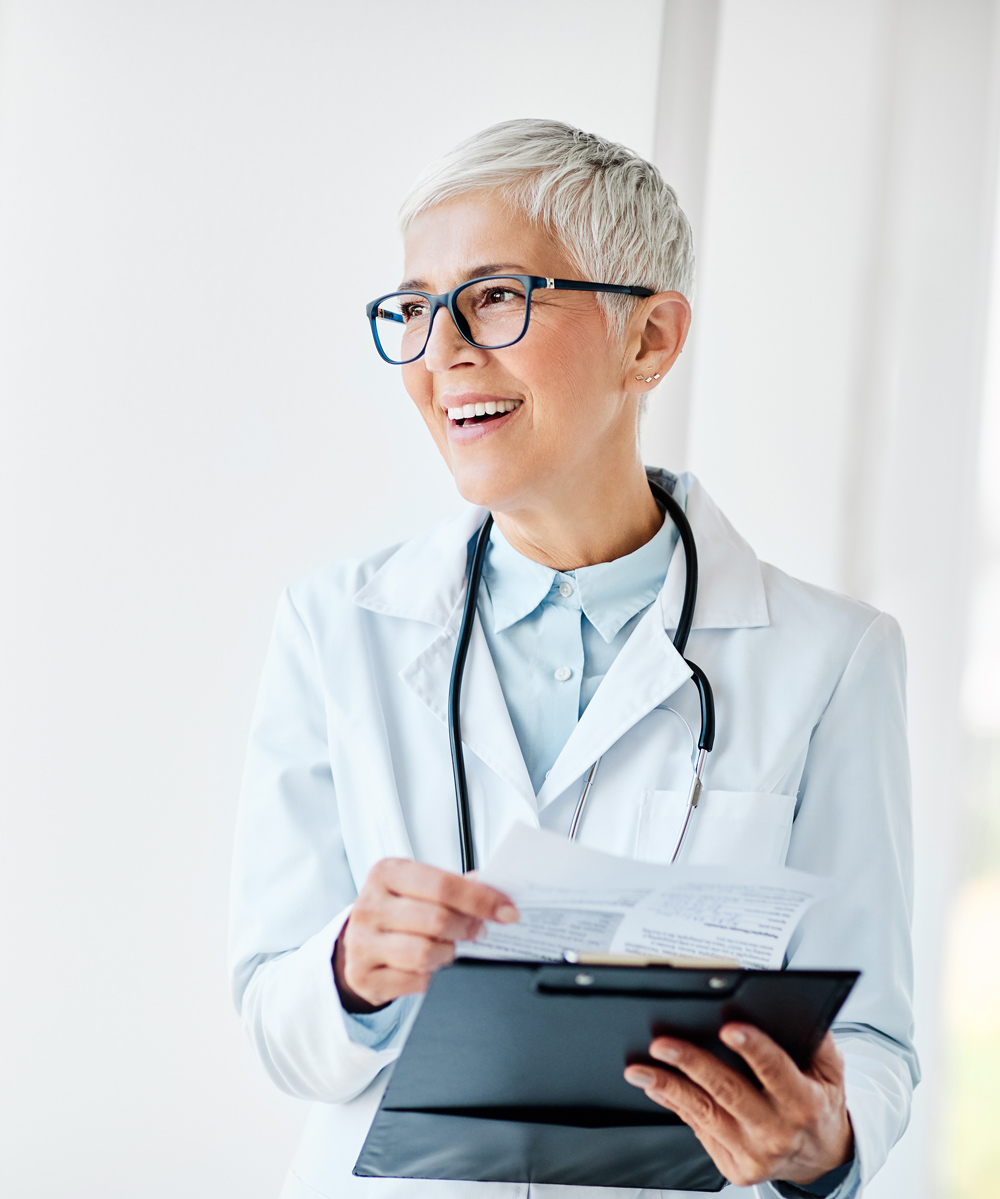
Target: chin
[(484, 485)]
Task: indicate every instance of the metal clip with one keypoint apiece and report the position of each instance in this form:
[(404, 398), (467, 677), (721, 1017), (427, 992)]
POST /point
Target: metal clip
[(550, 284)]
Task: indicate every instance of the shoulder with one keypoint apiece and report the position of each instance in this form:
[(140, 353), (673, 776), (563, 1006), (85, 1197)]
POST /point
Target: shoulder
[(790, 599), (831, 634)]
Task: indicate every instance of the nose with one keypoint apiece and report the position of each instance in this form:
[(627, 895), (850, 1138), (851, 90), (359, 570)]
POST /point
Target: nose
[(446, 347)]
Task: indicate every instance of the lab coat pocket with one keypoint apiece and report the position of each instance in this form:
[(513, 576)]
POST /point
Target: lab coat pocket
[(727, 828)]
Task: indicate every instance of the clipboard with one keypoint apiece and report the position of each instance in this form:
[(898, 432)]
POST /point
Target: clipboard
[(512, 1071)]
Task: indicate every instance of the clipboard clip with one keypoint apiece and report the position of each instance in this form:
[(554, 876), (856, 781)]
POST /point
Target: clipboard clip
[(580, 978)]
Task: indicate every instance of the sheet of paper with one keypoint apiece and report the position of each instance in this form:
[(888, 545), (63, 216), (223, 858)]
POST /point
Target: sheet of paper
[(574, 898)]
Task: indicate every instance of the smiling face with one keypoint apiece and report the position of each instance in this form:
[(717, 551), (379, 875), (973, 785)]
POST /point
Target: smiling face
[(557, 409)]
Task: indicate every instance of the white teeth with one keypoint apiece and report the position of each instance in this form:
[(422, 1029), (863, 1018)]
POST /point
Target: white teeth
[(489, 408)]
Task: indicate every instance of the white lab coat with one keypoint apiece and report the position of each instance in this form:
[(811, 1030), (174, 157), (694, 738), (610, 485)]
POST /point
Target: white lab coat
[(349, 763)]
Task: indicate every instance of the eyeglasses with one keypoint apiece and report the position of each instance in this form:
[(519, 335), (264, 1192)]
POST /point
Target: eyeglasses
[(491, 312)]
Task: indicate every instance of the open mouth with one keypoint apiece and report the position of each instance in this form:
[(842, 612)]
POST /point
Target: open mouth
[(483, 412)]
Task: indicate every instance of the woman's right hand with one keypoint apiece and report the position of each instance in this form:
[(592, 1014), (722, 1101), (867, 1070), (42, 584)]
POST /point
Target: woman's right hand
[(403, 927)]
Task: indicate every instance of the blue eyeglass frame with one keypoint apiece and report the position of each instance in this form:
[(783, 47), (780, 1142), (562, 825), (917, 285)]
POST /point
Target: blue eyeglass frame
[(447, 300)]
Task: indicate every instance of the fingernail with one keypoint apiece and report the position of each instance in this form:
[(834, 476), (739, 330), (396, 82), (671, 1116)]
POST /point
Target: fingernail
[(640, 1077), (506, 914), (735, 1036), (667, 1053)]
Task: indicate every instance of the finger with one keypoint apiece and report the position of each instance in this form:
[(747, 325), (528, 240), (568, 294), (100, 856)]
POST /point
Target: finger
[(647, 1079), (729, 1090), (721, 1134), (405, 915), (385, 984), (467, 896), (715, 1131), (678, 1094), (778, 1074), (408, 952)]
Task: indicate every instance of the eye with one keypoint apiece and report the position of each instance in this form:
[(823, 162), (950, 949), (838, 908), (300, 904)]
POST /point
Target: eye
[(499, 295), (413, 310)]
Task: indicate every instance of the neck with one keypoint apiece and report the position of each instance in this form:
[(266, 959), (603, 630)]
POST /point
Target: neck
[(583, 524)]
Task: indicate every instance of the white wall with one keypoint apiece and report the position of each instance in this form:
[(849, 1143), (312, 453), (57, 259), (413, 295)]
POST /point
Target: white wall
[(197, 200), (838, 346)]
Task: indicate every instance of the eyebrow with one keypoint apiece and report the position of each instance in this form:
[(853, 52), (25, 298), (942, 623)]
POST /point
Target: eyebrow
[(489, 268)]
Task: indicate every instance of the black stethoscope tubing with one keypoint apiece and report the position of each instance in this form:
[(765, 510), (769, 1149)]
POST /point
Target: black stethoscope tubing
[(474, 577)]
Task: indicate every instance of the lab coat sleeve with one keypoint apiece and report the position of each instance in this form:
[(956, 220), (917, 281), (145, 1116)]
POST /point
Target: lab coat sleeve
[(292, 887), (853, 826)]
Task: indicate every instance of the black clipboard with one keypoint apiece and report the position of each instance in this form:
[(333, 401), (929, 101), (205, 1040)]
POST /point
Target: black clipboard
[(512, 1071)]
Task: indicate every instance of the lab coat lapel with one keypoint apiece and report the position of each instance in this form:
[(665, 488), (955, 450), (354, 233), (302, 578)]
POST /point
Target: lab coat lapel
[(486, 727), (646, 672)]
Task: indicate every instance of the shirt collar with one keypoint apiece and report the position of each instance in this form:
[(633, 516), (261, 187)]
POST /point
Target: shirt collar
[(610, 593), (517, 585)]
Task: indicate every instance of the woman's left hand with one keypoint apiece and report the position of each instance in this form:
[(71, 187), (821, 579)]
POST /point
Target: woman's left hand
[(795, 1130)]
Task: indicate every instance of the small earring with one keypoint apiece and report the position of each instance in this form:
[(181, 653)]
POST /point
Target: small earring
[(638, 378), (649, 378), (656, 376)]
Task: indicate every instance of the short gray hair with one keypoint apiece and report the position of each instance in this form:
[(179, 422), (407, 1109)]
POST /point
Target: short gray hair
[(608, 206)]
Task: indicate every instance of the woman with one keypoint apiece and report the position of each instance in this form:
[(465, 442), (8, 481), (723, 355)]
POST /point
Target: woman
[(347, 891)]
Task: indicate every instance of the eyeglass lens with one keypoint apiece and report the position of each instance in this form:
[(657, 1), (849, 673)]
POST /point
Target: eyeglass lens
[(494, 312)]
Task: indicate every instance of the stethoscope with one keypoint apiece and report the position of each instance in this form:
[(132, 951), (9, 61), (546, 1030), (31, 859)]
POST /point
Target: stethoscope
[(705, 741)]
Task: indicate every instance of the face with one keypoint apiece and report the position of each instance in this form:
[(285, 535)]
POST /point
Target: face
[(563, 408)]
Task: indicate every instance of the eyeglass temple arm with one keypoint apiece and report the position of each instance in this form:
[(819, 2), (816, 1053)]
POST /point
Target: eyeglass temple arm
[(615, 288)]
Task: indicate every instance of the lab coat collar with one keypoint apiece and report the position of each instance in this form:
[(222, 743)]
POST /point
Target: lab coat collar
[(425, 578)]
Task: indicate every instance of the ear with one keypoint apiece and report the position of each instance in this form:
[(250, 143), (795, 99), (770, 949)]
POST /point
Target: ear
[(659, 331)]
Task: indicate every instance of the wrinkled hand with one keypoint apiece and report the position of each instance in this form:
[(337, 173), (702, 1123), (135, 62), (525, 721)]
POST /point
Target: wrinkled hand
[(796, 1130), (403, 927)]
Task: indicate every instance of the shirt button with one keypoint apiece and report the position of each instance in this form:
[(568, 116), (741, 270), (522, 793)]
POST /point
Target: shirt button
[(565, 589), (562, 674)]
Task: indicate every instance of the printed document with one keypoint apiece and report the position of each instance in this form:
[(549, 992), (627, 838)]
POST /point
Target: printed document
[(576, 899)]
